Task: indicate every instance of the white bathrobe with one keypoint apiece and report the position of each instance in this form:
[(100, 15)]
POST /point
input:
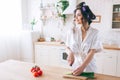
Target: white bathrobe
[(81, 48)]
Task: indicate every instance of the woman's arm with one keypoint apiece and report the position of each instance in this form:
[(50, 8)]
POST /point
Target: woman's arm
[(70, 57), (87, 60)]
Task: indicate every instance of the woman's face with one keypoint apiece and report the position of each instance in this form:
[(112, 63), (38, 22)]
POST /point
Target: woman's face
[(78, 17)]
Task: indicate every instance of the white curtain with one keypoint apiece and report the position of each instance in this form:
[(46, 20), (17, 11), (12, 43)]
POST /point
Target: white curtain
[(10, 26)]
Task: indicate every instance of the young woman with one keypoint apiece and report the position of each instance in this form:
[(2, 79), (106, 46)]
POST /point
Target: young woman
[(82, 41)]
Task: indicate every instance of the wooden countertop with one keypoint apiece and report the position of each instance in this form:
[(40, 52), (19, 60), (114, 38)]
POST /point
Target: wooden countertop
[(17, 70), (111, 47), (105, 46), (50, 43)]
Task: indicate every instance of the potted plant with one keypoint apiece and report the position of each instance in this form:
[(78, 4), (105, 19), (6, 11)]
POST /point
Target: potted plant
[(33, 23), (61, 6)]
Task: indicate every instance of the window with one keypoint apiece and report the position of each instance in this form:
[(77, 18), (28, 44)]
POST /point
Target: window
[(10, 15)]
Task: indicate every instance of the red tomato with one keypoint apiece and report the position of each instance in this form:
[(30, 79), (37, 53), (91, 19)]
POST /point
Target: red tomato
[(35, 74), (40, 72), (37, 68), (33, 69)]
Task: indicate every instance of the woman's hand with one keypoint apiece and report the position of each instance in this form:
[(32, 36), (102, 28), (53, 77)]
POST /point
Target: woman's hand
[(70, 59), (86, 61), (78, 71)]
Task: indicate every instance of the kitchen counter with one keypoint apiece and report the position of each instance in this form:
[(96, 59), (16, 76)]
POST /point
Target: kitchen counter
[(111, 47), (105, 46), (50, 43), (17, 70)]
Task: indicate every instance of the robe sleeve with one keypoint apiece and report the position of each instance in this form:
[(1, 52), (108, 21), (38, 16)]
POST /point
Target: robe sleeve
[(96, 43)]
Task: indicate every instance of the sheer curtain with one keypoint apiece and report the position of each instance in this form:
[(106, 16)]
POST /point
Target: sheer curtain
[(10, 27)]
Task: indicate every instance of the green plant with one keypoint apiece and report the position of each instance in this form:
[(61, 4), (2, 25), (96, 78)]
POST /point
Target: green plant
[(52, 39), (33, 22), (61, 6)]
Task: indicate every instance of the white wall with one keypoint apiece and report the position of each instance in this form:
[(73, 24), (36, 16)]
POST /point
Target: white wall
[(54, 28), (27, 40), (24, 13)]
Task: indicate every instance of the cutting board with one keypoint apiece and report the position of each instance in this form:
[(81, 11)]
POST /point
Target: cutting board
[(75, 77)]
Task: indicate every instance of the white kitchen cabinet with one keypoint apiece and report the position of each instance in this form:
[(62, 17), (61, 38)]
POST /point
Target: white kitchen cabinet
[(116, 1), (50, 55), (118, 66), (116, 18), (110, 62), (41, 54), (106, 62), (99, 62)]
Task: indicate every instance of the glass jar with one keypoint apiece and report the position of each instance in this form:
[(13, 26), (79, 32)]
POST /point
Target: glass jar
[(119, 9), (116, 9)]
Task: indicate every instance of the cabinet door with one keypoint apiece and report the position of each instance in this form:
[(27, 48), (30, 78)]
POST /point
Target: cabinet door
[(99, 62), (110, 63), (42, 54), (54, 57), (116, 17), (118, 65)]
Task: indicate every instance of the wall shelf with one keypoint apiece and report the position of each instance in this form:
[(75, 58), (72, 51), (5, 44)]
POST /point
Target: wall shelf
[(115, 21)]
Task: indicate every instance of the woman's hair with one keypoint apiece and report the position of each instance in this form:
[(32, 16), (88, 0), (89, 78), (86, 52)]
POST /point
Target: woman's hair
[(85, 11)]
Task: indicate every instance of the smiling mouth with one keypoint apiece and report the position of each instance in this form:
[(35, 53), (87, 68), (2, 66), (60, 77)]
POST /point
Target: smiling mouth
[(79, 22)]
